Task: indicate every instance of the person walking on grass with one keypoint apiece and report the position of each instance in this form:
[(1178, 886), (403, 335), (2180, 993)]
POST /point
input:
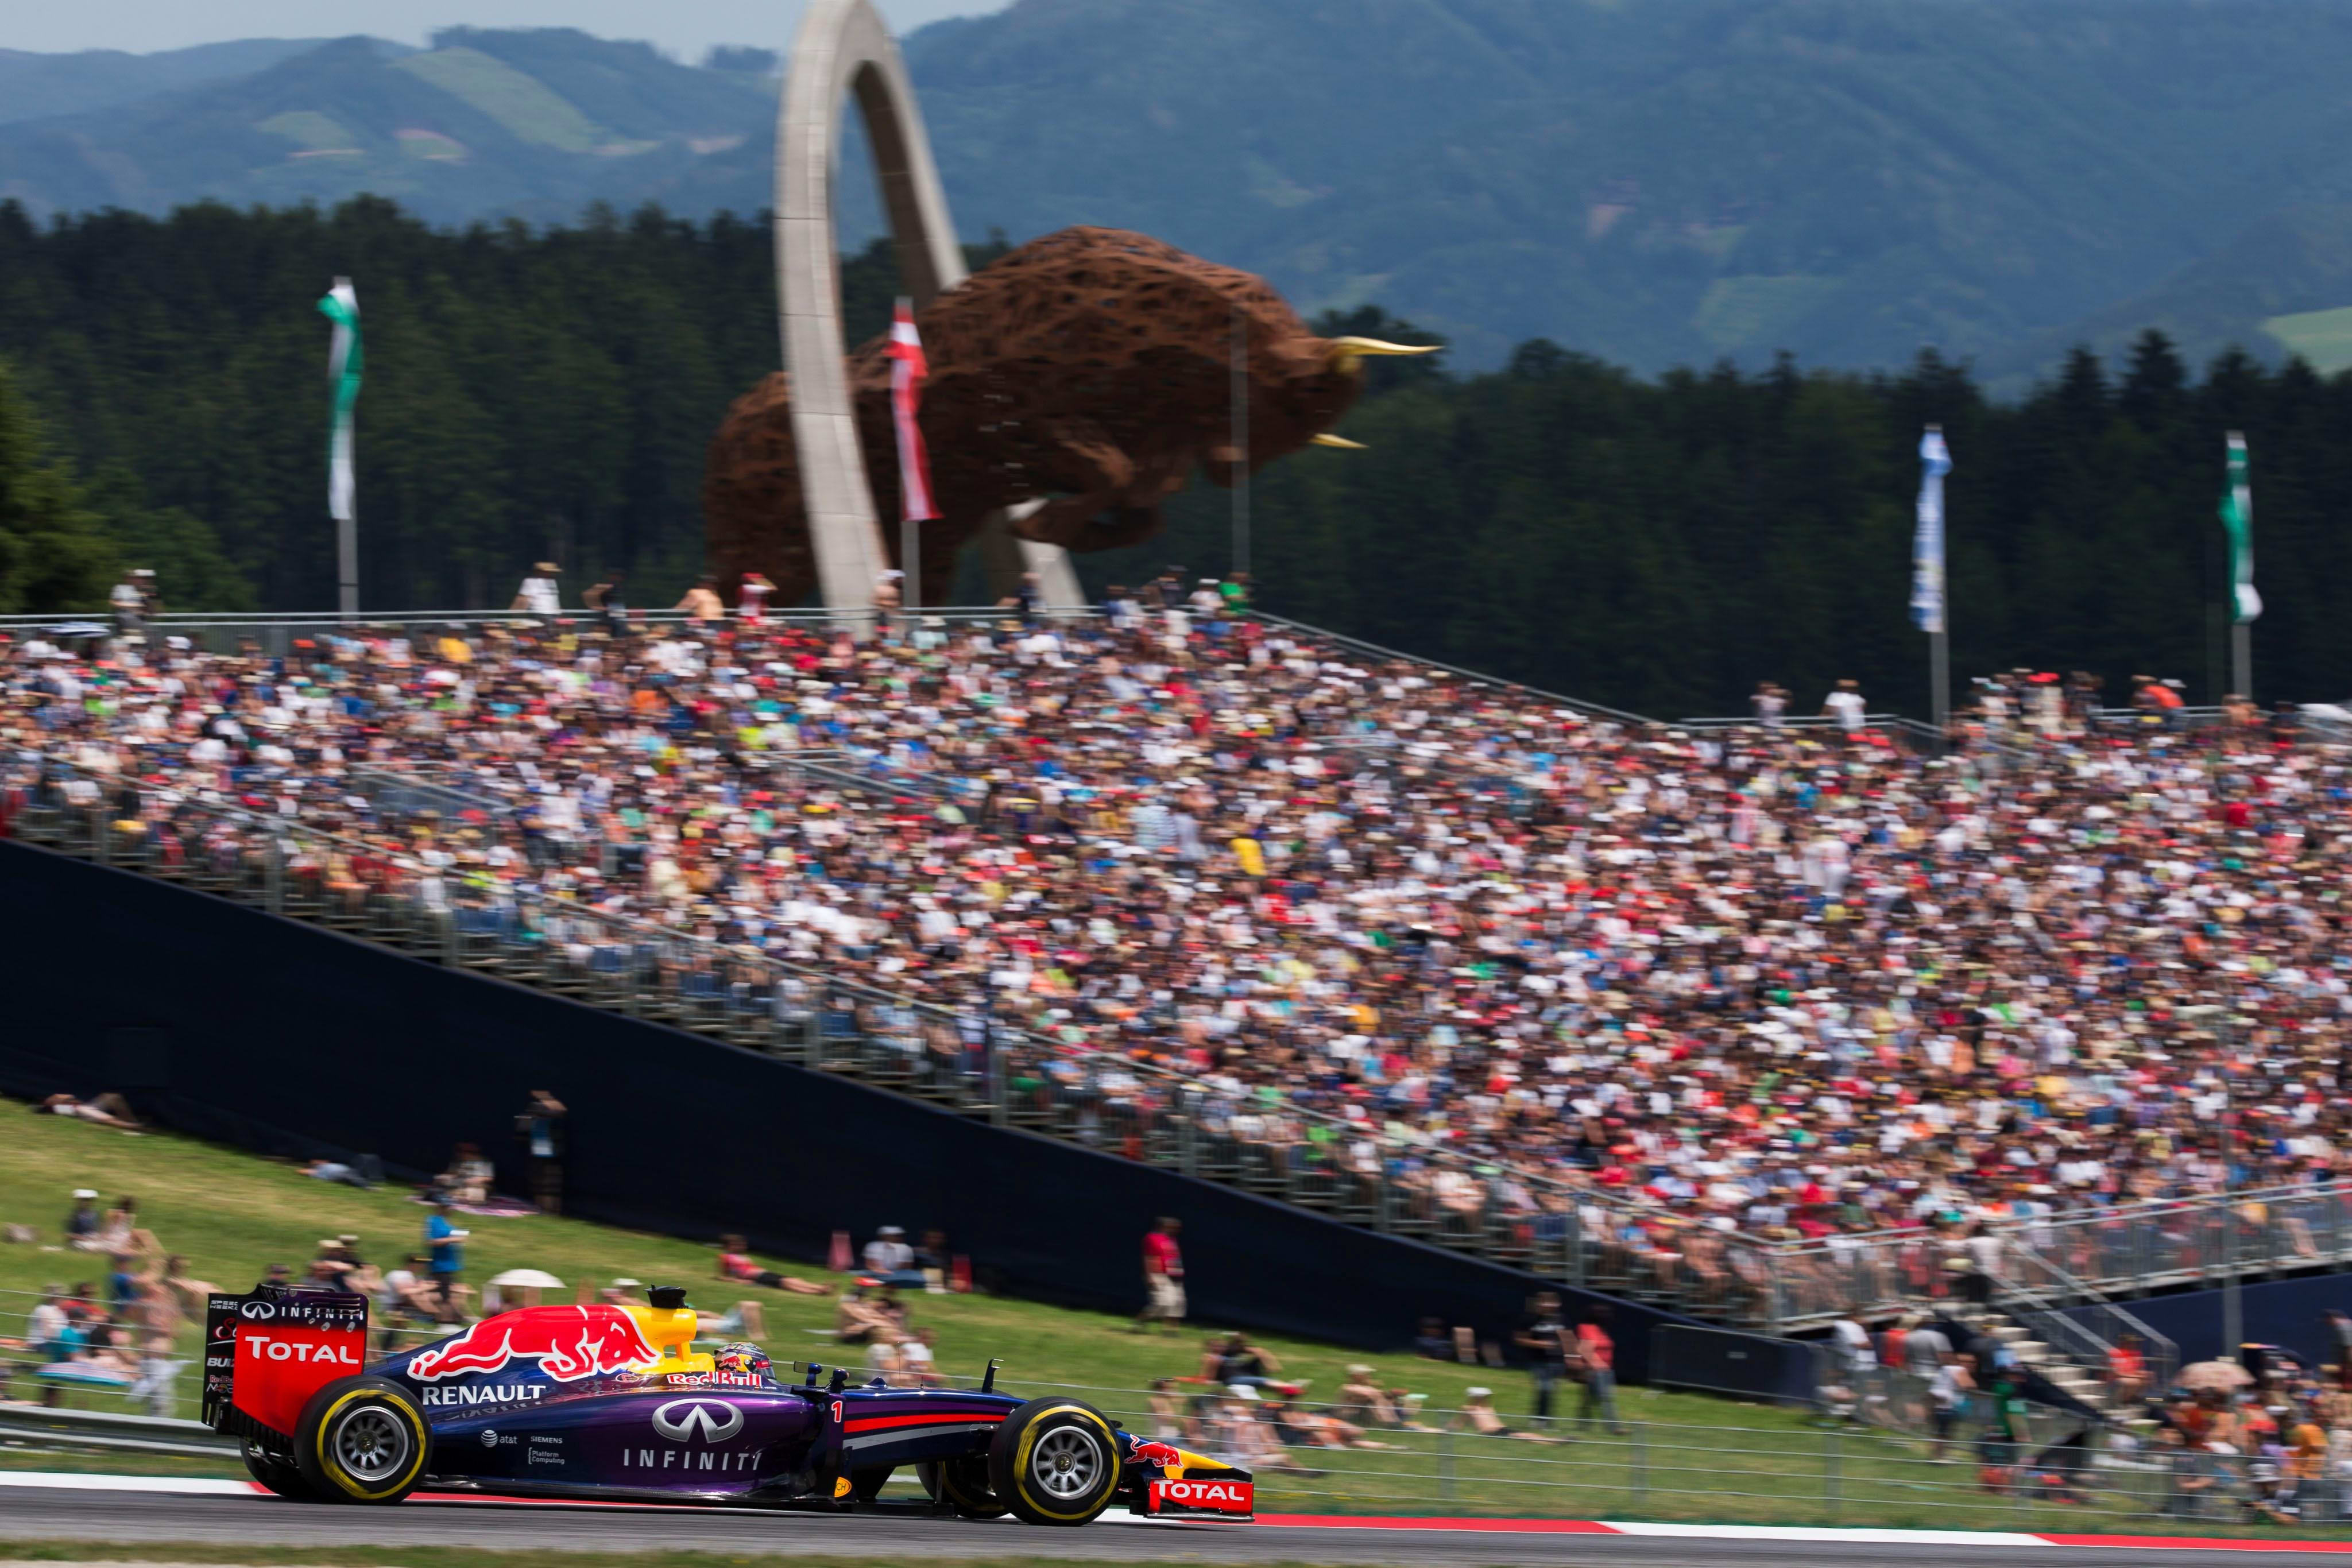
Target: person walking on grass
[(1599, 1354), (1163, 1278)]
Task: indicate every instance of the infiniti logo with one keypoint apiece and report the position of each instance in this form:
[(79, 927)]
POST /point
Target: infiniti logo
[(261, 1310), (680, 1418)]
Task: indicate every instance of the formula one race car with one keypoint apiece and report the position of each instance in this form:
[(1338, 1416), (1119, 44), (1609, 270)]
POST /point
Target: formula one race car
[(608, 1402)]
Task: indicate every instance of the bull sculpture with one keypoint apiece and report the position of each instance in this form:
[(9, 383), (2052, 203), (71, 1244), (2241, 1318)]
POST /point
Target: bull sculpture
[(1091, 370)]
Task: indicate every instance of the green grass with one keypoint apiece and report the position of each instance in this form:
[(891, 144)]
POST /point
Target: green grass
[(309, 129), (2322, 337), (1691, 1456), (1749, 312), (523, 104)]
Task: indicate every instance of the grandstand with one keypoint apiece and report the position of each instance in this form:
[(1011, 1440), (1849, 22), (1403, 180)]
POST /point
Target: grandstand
[(1762, 1026)]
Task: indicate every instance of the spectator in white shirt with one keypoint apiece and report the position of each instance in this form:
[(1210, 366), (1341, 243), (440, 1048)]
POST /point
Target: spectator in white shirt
[(1845, 705), (539, 593), (890, 1257)]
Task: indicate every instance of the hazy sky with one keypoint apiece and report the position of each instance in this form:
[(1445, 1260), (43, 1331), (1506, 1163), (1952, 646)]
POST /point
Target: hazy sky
[(683, 29)]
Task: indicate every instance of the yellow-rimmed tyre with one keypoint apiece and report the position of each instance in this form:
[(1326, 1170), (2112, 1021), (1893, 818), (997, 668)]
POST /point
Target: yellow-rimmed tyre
[(362, 1440), (1054, 1461), (962, 1485)]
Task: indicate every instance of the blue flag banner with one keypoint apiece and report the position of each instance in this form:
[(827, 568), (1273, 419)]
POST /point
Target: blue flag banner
[(1928, 542)]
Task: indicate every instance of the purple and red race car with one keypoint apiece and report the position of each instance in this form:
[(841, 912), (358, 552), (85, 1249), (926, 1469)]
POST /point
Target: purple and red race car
[(609, 1401)]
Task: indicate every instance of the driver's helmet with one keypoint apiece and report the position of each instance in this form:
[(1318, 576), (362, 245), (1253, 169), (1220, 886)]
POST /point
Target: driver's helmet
[(745, 1359)]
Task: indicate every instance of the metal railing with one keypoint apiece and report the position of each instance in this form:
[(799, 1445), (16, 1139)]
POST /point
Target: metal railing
[(2078, 1323), (49, 1426), (2092, 1256), (276, 634), (996, 1059), (1379, 654), (977, 1057), (1881, 1450)]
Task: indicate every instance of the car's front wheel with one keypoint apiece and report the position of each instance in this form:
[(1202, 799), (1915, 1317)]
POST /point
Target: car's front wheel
[(1054, 1461), (962, 1484), (362, 1440)]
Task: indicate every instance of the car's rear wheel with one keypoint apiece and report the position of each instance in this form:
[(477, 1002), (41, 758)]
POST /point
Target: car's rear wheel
[(278, 1474), (962, 1484), (1054, 1461), (362, 1440)]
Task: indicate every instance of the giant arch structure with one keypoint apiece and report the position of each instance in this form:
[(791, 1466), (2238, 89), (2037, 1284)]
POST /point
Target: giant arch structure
[(844, 49)]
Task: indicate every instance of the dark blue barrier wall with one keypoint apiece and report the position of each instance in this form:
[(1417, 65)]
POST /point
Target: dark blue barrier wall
[(235, 1025), (2277, 1312), (1726, 1361)]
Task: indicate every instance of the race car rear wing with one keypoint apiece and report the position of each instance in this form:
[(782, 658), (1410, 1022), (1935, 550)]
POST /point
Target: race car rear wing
[(267, 1352)]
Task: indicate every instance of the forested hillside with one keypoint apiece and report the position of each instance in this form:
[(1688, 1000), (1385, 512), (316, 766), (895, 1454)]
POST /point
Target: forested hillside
[(1655, 184), (1661, 544)]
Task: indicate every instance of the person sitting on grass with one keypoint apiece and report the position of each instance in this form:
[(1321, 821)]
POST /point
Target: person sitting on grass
[(1235, 1361), (1255, 1444), (1311, 1428), (735, 1263), (919, 1366), (862, 1319), (1477, 1414), (1364, 1403)]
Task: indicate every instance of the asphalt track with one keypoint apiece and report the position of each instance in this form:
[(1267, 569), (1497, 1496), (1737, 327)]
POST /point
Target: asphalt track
[(37, 1513)]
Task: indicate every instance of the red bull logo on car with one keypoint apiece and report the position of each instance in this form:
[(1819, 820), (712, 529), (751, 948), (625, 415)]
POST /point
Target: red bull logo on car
[(1162, 1454), (568, 1342)]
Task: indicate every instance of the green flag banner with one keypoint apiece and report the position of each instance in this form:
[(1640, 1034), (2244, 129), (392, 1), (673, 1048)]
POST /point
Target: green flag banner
[(2238, 521), (341, 306)]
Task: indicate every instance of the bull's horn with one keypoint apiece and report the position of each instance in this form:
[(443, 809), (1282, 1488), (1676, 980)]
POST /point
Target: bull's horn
[(1346, 351), (1325, 438)]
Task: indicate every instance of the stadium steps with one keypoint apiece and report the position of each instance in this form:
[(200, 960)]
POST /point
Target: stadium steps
[(2070, 1375)]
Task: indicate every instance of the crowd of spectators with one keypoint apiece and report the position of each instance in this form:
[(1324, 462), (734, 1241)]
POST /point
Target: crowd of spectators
[(113, 1334), (1676, 986)]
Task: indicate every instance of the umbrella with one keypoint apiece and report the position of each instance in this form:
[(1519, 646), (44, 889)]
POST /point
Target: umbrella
[(529, 1279), (515, 1285), (2214, 1374)]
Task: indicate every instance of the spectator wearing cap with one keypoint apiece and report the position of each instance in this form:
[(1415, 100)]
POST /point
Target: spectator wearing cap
[(1572, 964), (83, 1227), (1845, 705), (891, 1261), (542, 592)]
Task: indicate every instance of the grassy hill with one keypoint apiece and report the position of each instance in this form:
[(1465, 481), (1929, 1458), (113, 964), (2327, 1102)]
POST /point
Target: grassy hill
[(1682, 1456), (533, 124), (1846, 179), (34, 87)]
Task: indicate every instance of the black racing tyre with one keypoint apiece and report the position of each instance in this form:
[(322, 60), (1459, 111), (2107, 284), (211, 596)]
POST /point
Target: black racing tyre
[(963, 1485), (278, 1474), (362, 1440), (865, 1485), (1054, 1461)]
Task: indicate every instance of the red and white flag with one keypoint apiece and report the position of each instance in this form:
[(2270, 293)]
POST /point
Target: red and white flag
[(907, 369)]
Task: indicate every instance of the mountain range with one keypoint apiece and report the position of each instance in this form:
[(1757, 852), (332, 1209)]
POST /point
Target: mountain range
[(1655, 184)]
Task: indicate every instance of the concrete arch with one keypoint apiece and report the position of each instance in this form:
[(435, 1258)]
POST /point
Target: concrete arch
[(844, 49)]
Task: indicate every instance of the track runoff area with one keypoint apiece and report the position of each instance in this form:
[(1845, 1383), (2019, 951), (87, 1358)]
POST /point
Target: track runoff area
[(96, 1511)]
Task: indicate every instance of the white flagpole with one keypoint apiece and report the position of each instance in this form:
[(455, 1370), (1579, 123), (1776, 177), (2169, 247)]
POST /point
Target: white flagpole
[(341, 306), (1240, 443), (1930, 597)]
